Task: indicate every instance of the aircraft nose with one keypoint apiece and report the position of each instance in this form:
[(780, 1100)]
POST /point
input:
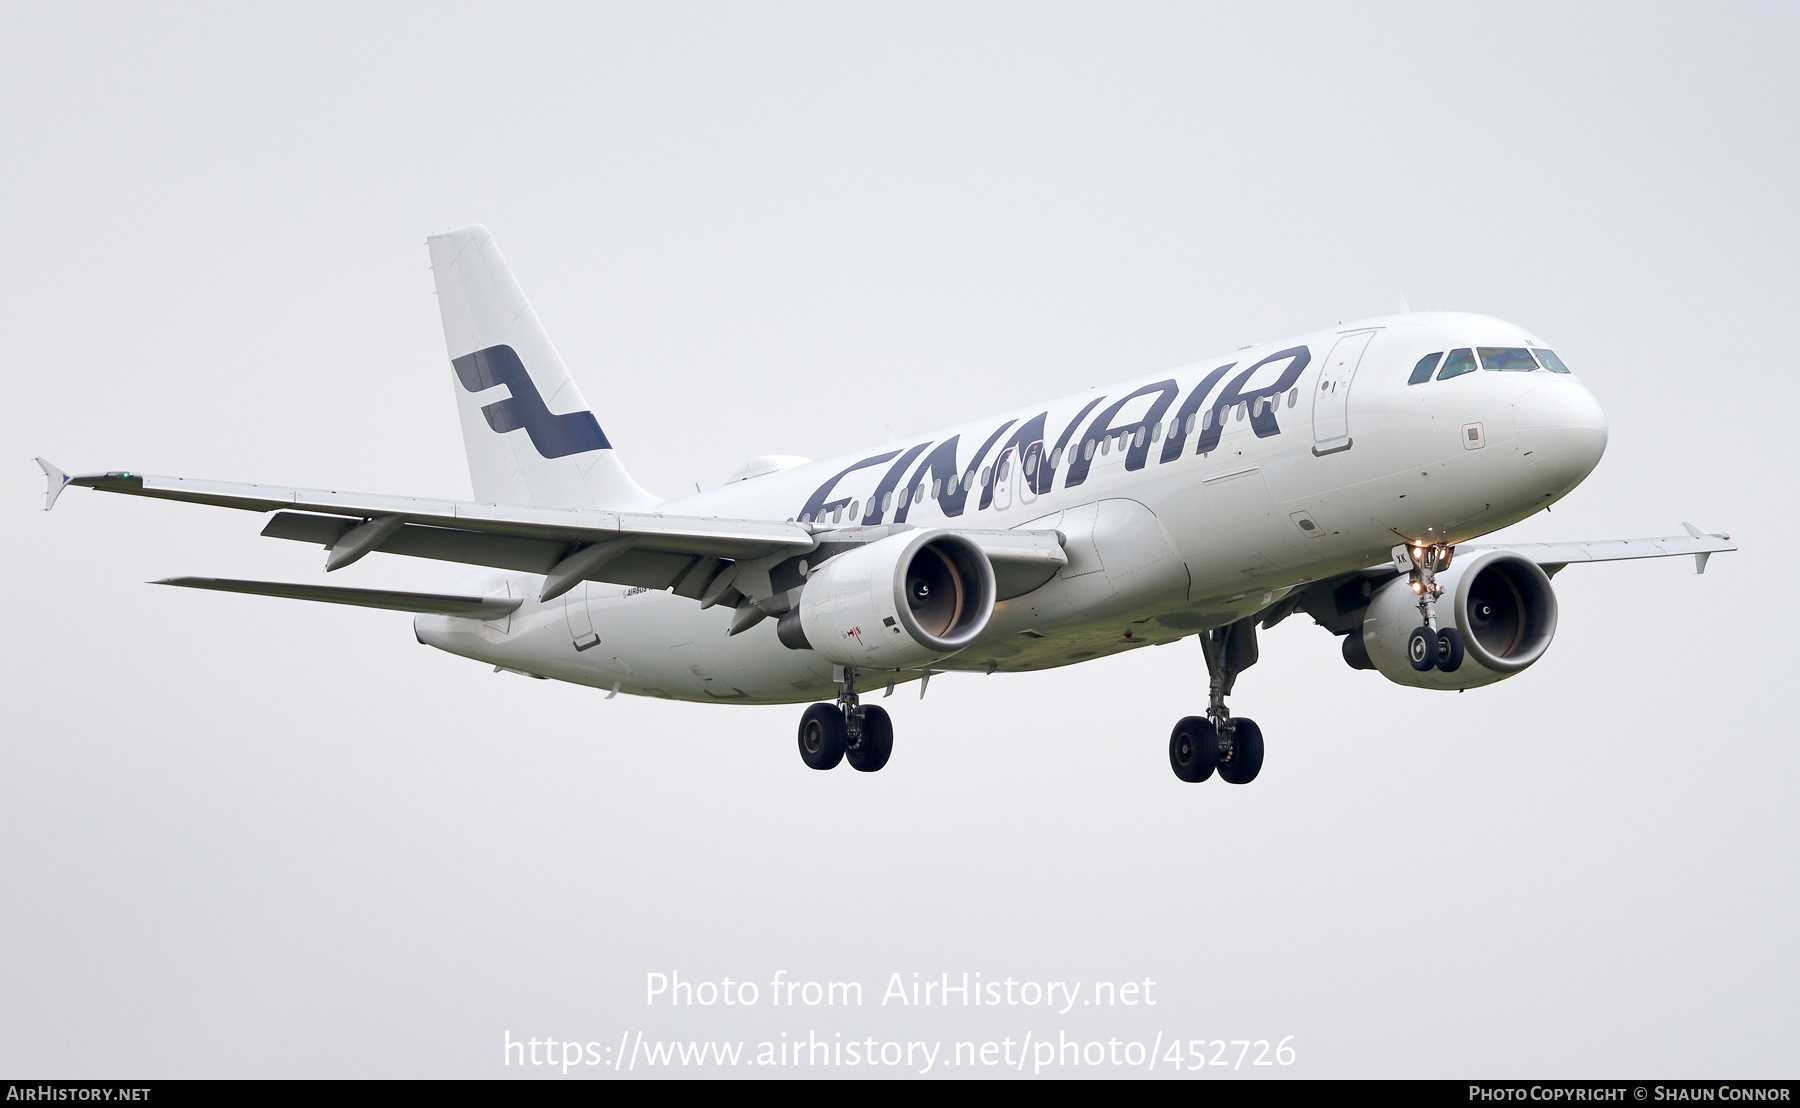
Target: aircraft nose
[(1561, 432)]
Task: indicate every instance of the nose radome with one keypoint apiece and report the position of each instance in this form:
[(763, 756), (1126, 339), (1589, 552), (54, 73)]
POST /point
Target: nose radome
[(1561, 432)]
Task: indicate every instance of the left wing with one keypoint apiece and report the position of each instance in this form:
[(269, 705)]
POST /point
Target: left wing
[(705, 559), (567, 545)]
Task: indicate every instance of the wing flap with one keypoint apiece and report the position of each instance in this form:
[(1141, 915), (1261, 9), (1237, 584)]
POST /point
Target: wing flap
[(444, 544), (477, 607), (650, 569)]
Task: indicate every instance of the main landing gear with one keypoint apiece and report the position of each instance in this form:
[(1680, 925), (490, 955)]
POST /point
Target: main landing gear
[(1218, 740), (1428, 647), (846, 730)]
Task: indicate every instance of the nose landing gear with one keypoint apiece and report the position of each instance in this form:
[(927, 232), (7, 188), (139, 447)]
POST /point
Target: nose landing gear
[(846, 730), (1218, 740), (1429, 647)]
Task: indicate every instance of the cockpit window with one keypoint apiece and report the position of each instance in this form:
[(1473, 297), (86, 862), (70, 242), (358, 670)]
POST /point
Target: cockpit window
[(1514, 358), (1551, 362), (1460, 361), (1422, 372)]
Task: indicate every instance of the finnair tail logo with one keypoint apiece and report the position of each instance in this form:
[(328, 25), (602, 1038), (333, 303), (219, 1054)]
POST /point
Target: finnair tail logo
[(554, 436)]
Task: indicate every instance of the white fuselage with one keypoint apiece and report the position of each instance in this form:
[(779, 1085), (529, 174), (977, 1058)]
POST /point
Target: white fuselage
[(1207, 496)]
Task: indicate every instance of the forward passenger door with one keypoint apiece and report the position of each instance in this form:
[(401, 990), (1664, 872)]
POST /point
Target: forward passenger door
[(1331, 396)]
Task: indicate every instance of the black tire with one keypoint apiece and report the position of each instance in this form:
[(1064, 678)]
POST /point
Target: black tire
[(1246, 755), (1194, 748), (1422, 649), (822, 736), (877, 741), (1449, 649)]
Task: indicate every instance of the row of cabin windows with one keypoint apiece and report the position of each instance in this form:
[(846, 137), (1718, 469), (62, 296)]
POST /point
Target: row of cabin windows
[(1117, 440), (1199, 421), (1517, 359)]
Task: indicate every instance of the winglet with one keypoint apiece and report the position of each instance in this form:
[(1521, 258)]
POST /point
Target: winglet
[(56, 479), (1700, 558)]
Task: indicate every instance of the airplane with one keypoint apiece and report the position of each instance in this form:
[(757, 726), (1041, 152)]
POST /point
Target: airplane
[(1342, 474)]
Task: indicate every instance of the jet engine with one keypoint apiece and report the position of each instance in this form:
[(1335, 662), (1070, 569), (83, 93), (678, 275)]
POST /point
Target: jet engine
[(1500, 601), (906, 600)]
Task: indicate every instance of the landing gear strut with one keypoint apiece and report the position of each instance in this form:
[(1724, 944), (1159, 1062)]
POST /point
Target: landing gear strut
[(846, 730), (1218, 740), (1428, 647)]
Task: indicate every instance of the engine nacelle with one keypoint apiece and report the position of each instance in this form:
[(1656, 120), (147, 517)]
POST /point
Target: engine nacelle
[(906, 600), (1501, 602)]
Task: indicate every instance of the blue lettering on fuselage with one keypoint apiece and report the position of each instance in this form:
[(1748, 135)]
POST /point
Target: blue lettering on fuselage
[(817, 506), (941, 464), (1102, 427)]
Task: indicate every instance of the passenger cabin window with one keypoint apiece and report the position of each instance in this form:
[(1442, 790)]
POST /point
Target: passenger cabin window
[(1515, 359), (1550, 361), (1422, 372), (1460, 361)]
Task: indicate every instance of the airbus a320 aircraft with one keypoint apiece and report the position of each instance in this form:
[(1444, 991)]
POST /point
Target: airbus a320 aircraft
[(1340, 474)]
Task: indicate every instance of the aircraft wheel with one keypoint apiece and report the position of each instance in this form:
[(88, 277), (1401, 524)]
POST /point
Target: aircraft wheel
[(1449, 649), (1246, 754), (1194, 748), (1422, 649), (877, 741), (822, 736)]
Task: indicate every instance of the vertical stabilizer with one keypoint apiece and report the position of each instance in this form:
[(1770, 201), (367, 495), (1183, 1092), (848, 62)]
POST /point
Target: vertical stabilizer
[(530, 435)]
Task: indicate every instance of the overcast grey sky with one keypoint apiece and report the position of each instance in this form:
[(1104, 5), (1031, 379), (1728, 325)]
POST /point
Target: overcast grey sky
[(242, 836)]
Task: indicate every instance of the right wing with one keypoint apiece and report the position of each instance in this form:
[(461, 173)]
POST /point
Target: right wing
[(1336, 609), (1553, 556)]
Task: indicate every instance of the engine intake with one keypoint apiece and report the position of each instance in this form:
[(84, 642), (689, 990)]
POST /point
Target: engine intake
[(906, 600), (1500, 601)]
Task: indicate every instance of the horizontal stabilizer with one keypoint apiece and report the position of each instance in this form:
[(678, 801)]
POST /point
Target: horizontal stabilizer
[(477, 607), (56, 479)]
